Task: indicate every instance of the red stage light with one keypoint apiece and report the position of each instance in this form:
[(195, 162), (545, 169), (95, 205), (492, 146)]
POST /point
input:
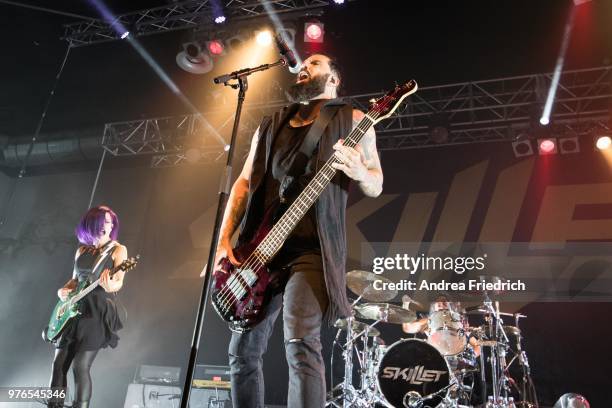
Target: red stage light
[(547, 146), (313, 32), (215, 47)]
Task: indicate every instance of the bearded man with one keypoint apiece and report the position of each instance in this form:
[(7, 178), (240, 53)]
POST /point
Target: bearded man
[(310, 267)]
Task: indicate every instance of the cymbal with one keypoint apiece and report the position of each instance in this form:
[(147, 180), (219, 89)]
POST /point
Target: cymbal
[(513, 330), (361, 283), (481, 330), (482, 310), (358, 327), (385, 312)]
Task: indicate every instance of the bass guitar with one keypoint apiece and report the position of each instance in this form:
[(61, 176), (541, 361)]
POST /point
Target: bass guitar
[(240, 294), (66, 310)]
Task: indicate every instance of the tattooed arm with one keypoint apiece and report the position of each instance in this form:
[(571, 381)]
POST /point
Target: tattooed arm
[(236, 205), (362, 163)]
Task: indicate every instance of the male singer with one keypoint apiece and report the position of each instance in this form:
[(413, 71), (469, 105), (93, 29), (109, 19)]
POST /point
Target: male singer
[(311, 264)]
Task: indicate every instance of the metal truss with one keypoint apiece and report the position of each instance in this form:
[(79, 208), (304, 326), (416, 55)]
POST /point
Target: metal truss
[(177, 16), (495, 110)]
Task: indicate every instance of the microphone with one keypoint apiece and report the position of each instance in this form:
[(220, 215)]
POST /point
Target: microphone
[(287, 54)]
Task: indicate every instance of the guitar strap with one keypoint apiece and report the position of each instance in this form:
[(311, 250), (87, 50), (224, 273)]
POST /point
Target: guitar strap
[(102, 257), (309, 143)]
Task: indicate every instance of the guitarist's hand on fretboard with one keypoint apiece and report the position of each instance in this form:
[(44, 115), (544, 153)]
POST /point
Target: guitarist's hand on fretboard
[(63, 293), (107, 282)]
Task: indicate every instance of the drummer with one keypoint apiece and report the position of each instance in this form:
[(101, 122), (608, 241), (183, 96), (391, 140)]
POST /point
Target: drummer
[(422, 326)]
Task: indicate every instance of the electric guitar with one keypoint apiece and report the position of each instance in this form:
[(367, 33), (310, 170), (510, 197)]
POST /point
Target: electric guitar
[(240, 294), (66, 310)]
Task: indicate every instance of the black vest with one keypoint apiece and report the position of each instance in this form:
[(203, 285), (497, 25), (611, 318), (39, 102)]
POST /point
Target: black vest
[(330, 207)]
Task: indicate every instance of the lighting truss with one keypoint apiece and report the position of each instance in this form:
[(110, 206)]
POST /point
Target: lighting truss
[(494, 110), (178, 16)]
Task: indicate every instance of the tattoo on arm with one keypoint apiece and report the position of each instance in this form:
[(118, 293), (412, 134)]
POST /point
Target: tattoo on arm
[(236, 205), (371, 187)]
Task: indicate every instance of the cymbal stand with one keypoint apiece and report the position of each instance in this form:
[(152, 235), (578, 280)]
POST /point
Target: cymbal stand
[(347, 395), (501, 347), (348, 391), (527, 391), (500, 340)]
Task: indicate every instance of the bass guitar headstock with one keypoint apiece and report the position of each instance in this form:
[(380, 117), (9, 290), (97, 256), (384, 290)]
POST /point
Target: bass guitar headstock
[(384, 106)]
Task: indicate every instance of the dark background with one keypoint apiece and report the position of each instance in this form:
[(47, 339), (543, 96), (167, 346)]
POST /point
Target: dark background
[(166, 213)]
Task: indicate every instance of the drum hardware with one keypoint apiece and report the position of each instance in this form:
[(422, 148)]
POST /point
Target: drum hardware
[(358, 327), (385, 312), (413, 373)]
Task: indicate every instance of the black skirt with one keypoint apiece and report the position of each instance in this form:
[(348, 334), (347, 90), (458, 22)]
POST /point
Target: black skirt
[(97, 325)]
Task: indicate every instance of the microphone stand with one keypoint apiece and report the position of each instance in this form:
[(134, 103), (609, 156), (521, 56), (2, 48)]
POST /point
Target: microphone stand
[(224, 189)]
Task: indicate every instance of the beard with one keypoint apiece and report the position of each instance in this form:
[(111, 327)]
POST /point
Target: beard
[(308, 90)]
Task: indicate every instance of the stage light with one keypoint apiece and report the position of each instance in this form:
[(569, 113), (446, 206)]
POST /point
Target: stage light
[(544, 120), (339, 1), (314, 32), (547, 146), (439, 128), (522, 148), (217, 11), (194, 59), (603, 142), (569, 145), (215, 47), (264, 38), (236, 42), (125, 35)]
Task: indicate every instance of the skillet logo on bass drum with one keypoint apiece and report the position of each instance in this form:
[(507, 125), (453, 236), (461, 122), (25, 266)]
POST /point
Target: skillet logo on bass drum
[(415, 375)]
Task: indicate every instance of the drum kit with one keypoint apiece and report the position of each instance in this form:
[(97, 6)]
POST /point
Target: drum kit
[(440, 371)]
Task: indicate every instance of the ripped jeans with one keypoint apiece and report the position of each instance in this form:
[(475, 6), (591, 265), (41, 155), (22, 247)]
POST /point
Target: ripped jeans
[(303, 303)]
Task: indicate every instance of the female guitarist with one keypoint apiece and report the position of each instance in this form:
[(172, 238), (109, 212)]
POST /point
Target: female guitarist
[(96, 326)]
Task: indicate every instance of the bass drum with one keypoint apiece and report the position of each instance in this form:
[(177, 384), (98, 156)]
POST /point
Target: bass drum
[(413, 371)]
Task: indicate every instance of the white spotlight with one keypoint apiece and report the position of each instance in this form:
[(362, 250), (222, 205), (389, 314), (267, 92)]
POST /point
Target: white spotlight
[(544, 120), (603, 142), (264, 38)]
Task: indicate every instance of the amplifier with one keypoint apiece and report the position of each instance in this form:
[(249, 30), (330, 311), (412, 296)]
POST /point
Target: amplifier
[(152, 396), (163, 375), (210, 387), (159, 387)]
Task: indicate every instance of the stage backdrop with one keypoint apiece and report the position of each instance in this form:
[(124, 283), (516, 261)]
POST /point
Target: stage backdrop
[(451, 194)]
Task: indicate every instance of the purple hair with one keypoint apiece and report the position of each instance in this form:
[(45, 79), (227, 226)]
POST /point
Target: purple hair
[(92, 224)]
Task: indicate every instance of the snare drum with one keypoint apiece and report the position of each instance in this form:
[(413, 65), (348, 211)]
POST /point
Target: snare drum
[(446, 330), (412, 372)]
